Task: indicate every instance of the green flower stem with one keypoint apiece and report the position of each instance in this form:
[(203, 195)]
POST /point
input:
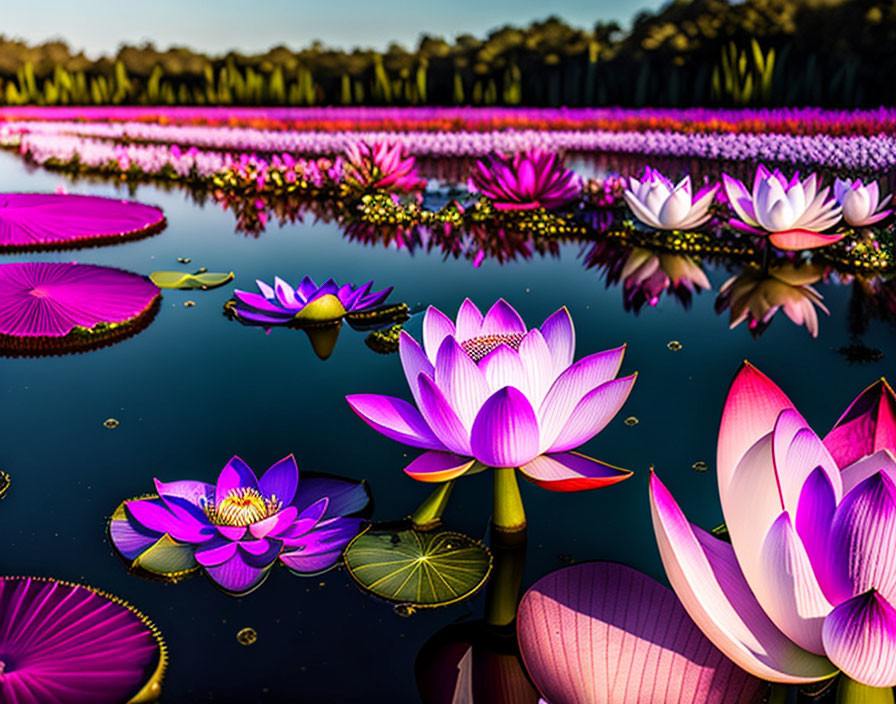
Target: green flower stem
[(852, 692), (507, 513), (430, 512), (778, 694), (502, 594)]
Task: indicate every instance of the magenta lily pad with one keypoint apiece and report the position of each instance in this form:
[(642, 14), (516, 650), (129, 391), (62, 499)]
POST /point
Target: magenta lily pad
[(68, 644), (47, 306), (603, 633), (33, 221)]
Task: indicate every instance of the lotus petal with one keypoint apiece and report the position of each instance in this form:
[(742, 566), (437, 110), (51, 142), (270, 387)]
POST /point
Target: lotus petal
[(798, 240), (438, 467), (320, 550), (591, 414), (862, 552), (436, 327), (235, 475), (860, 638), (441, 418), (602, 633), (505, 432), (281, 480), (236, 576), (706, 577), (570, 471), (159, 519), (868, 425), (396, 419), (560, 337), (859, 471)]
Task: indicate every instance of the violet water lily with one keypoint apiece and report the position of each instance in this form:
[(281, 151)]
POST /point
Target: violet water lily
[(861, 204), (491, 393), (659, 203), (792, 213), (808, 584), (525, 181), (238, 528), (307, 303)]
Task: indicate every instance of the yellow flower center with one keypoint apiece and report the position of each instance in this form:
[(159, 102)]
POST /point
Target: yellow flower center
[(242, 507), (479, 347)]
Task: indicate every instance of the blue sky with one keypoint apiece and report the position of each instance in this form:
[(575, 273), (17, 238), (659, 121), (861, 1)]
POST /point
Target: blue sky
[(215, 26)]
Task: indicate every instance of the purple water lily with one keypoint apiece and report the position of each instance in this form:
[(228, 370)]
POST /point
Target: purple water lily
[(491, 393), (237, 529), (307, 303), (525, 181)]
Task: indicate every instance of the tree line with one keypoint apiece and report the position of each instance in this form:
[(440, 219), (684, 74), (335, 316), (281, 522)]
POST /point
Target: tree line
[(690, 52)]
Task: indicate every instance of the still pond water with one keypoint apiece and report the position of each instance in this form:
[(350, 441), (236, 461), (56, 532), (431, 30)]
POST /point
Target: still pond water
[(194, 388)]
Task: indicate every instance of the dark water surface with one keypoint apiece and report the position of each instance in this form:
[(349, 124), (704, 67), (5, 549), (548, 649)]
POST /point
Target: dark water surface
[(193, 389)]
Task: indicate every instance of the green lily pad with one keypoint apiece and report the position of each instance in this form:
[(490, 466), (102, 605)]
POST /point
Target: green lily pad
[(424, 569), (180, 280)]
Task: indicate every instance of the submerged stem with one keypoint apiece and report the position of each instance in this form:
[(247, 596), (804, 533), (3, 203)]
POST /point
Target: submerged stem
[(779, 693), (430, 511), (507, 512), (851, 692)]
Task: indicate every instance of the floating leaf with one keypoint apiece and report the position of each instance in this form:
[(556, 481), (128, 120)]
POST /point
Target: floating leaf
[(69, 644), (246, 636), (603, 633), (422, 569), (33, 221), (179, 280)]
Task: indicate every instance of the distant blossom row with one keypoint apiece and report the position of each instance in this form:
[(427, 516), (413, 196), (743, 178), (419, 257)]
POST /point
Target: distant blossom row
[(782, 120), (864, 153)]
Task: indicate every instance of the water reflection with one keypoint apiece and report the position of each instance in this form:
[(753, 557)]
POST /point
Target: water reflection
[(478, 662)]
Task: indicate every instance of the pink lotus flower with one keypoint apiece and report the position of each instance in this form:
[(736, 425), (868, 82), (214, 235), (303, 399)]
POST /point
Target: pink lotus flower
[(792, 213), (647, 274), (489, 393), (380, 166), (860, 202), (525, 181), (808, 584), (655, 201)]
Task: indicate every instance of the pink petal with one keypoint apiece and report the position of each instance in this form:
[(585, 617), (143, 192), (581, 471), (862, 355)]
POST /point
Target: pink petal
[(396, 419), (216, 556), (570, 471), (274, 525), (706, 577), (441, 418), (537, 364), (461, 380), (502, 318), (796, 604), (505, 432), (862, 553), (602, 633), (814, 515), (502, 367), (469, 320), (571, 386), (560, 335), (591, 414), (436, 327), (860, 639), (281, 480), (798, 240), (413, 361), (751, 410), (438, 467), (868, 425), (856, 473)]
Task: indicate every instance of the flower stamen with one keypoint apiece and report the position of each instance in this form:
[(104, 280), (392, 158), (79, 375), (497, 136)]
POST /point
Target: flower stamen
[(242, 506), (479, 347)]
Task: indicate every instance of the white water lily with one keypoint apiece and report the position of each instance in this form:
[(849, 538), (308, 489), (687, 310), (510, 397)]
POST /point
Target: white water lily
[(792, 213), (655, 201), (861, 204)]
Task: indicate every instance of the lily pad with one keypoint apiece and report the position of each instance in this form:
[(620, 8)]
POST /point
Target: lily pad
[(425, 569), (182, 281)]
